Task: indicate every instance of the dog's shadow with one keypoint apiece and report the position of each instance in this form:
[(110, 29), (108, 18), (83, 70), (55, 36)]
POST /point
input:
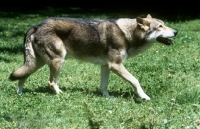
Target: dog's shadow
[(117, 94), (40, 89), (113, 94)]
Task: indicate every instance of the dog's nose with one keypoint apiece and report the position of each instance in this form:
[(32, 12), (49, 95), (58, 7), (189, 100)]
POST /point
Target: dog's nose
[(175, 32)]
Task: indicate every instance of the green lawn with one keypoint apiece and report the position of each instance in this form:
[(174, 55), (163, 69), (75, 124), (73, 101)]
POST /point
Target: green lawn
[(170, 75)]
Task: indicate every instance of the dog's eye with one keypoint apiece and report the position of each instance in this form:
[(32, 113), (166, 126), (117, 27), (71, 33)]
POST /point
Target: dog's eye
[(160, 26)]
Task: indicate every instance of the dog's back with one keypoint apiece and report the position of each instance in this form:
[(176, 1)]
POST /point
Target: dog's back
[(82, 37)]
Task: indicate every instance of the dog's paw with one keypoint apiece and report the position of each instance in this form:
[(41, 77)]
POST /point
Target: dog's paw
[(145, 97), (55, 87), (105, 94), (57, 90), (19, 90)]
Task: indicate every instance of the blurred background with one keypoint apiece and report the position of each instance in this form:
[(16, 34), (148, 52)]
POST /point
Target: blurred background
[(168, 8)]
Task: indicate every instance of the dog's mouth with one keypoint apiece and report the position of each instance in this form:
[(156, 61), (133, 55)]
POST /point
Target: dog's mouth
[(165, 41)]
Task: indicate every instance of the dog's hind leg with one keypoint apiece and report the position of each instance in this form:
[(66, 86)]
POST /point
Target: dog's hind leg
[(56, 60), (104, 80), (55, 68), (120, 70)]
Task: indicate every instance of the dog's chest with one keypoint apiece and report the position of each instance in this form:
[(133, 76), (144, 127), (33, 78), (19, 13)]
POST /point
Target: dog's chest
[(136, 50)]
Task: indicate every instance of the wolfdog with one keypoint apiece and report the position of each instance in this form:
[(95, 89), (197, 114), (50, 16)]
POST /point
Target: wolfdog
[(106, 42)]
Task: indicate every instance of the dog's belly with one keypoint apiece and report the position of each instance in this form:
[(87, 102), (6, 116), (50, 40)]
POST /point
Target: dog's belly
[(95, 60)]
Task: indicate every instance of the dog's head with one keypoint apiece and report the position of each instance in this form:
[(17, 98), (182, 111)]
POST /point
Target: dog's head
[(155, 30)]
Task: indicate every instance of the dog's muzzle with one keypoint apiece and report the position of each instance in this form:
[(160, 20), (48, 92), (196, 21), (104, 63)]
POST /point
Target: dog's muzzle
[(166, 41)]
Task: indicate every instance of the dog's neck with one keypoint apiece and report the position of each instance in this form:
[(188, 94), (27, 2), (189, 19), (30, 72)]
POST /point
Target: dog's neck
[(127, 26), (135, 39)]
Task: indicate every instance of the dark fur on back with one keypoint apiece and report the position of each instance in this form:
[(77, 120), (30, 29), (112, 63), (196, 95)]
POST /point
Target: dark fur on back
[(88, 35)]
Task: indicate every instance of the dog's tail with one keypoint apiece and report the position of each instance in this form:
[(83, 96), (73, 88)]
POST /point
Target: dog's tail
[(29, 58)]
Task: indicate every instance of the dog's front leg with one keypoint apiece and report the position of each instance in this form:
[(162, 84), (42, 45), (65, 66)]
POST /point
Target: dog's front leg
[(120, 70), (104, 80)]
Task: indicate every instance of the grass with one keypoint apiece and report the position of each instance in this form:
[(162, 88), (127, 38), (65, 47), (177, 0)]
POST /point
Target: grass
[(169, 74)]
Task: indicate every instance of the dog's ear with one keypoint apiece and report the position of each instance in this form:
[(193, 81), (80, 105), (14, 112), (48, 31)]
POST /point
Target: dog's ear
[(142, 21), (139, 20), (149, 16), (143, 24)]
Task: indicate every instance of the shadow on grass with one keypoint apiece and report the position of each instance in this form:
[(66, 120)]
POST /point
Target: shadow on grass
[(2, 59), (41, 89), (7, 117), (13, 50), (93, 124), (86, 91)]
